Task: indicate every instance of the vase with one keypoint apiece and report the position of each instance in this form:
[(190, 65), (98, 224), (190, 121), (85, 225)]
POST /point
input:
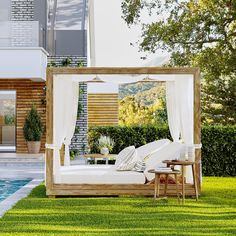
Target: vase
[(104, 151), (33, 146), (191, 153), (183, 154)]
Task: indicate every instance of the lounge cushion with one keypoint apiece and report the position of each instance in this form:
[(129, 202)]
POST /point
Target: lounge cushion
[(99, 174), (147, 149), (169, 152), (126, 159)]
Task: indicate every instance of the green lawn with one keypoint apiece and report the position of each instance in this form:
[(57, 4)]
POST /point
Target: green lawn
[(213, 214)]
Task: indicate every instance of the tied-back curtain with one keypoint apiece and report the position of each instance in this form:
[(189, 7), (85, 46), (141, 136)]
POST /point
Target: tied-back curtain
[(180, 110), (184, 89), (61, 91), (173, 110), (62, 103), (185, 94), (71, 117)]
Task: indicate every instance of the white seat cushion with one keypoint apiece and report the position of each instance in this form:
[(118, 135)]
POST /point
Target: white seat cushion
[(169, 152), (126, 159), (148, 148), (99, 174)]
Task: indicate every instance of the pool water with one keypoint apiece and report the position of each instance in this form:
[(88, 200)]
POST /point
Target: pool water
[(8, 187)]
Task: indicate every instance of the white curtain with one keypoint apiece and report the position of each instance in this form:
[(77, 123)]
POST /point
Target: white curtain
[(184, 89), (180, 110), (122, 78), (65, 98), (185, 95), (173, 111), (71, 116), (60, 92)]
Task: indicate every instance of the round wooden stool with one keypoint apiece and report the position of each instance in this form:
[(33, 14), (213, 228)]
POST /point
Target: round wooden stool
[(158, 174), (183, 165)]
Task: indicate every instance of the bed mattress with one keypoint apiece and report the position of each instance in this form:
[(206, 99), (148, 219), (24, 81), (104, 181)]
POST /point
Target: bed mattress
[(98, 174)]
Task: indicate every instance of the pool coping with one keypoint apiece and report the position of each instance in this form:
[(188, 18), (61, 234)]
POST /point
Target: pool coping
[(23, 192)]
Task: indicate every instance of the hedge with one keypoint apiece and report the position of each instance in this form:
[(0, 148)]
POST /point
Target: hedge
[(218, 150)]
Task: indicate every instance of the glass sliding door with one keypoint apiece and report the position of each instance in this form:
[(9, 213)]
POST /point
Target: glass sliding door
[(7, 121)]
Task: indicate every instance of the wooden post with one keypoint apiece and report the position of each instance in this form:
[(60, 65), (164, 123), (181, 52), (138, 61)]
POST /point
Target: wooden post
[(197, 125), (62, 154), (49, 132)]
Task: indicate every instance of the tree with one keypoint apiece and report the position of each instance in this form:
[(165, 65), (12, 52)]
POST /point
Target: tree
[(33, 128), (134, 112), (199, 33)]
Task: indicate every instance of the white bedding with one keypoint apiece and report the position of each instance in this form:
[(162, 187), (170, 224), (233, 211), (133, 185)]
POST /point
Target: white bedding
[(99, 174)]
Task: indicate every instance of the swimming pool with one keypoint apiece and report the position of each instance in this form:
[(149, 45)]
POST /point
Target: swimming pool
[(8, 187)]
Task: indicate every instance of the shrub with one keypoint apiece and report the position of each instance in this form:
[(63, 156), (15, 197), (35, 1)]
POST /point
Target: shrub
[(124, 136), (218, 151), (33, 127)]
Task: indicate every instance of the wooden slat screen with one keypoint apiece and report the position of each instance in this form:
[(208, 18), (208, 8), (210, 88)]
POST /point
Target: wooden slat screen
[(27, 93), (103, 109)]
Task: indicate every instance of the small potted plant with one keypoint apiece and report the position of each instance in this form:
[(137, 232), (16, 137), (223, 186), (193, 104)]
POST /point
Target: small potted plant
[(33, 130), (105, 144)]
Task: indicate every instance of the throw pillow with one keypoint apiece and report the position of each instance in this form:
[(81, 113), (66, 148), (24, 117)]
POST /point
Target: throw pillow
[(126, 159), (140, 166)]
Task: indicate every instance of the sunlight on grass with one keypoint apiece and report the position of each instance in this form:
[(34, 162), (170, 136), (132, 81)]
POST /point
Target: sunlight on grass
[(213, 214)]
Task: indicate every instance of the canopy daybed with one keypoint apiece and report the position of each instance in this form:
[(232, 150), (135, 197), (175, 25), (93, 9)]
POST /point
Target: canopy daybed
[(183, 107)]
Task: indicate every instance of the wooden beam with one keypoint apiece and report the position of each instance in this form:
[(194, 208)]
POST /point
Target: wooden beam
[(121, 70), (49, 132), (197, 125), (62, 154), (115, 189)]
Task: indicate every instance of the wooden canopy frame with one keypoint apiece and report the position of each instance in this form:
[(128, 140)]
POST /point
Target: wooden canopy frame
[(117, 189)]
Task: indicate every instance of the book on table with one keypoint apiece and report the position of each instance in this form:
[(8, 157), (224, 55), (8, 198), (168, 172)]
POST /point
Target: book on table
[(163, 169)]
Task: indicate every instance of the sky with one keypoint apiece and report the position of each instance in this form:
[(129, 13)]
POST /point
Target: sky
[(113, 38), (112, 42)]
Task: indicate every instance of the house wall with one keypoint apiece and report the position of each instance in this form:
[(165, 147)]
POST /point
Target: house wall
[(71, 42), (5, 10), (41, 15), (75, 59), (80, 139), (27, 93), (22, 10)]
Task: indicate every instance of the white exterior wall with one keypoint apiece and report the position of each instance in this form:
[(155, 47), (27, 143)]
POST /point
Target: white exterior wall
[(27, 63)]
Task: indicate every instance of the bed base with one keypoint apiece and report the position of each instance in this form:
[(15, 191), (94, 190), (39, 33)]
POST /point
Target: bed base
[(114, 190)]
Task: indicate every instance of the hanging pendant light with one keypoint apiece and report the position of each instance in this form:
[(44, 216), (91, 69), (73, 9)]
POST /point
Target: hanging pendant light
[(95, 80), (147, 79)]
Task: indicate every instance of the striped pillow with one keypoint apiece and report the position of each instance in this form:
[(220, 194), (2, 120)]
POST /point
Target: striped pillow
[(140, 166), (126, 159)]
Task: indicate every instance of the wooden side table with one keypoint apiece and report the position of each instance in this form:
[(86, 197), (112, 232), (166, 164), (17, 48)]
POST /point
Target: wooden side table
[(158, 174), (98, 157), (183, 164)]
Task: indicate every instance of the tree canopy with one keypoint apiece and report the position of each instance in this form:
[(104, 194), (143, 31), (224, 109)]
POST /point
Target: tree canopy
[(142, 103), (199, 33)]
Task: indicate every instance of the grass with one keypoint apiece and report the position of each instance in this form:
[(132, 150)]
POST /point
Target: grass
[(213, 214)]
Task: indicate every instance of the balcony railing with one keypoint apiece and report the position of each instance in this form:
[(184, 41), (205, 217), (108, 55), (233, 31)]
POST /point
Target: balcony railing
[(21, 34)]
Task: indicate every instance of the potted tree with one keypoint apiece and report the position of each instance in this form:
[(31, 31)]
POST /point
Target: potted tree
[(33, 130)]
